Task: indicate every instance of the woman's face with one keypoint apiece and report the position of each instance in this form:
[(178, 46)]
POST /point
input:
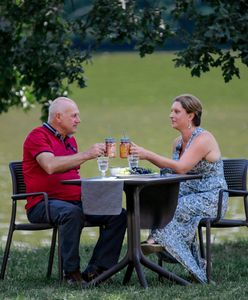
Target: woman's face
[(179, 117)]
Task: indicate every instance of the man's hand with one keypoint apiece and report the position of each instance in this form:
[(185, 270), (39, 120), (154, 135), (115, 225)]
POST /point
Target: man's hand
[(95, 150)]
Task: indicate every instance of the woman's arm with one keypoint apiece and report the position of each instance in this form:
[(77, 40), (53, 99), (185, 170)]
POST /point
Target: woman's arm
[(203, 146)]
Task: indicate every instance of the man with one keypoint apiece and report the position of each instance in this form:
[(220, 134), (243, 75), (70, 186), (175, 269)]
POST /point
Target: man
[(50, 154)]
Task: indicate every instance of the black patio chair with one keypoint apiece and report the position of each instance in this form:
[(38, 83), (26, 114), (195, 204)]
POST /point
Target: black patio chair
[(235, 171), (19, 193)]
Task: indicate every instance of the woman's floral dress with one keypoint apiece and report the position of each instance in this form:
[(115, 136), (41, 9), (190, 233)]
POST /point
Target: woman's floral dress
[(197, 199)]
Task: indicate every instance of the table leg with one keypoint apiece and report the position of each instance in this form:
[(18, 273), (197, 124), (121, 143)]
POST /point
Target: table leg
[(140, 273), (163, 272), (134, 259), (128, 273), (109, 273)]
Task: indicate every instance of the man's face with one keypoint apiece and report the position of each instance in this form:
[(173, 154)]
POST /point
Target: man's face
[(69, 119)]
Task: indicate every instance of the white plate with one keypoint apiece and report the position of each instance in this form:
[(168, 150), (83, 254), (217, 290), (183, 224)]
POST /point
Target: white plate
[(138, 175)]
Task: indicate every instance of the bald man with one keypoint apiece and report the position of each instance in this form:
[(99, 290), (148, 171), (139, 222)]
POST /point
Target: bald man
[(50, 154)]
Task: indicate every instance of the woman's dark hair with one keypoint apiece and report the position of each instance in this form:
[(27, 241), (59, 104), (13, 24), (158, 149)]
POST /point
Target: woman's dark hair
[(192, 105)]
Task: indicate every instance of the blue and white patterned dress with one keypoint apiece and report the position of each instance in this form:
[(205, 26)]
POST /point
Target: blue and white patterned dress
[(197, 199)]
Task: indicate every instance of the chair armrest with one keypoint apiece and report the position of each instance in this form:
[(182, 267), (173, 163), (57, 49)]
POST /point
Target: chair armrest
[(45, 196), (238, 192), (233, 192), (25, 195)]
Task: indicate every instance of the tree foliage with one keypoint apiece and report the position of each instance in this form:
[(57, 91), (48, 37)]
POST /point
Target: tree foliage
[(38, 61), (219, 38)]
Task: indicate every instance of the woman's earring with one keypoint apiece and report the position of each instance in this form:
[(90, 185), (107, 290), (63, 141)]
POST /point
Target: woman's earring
[(190, 125)]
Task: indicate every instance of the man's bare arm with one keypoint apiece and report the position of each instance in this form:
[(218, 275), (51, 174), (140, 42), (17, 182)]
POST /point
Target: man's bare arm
[(58, 164)]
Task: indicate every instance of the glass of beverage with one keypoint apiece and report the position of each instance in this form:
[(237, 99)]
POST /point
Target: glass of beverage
[(133, 161), (124, 147), (110, 147), (102, 162)]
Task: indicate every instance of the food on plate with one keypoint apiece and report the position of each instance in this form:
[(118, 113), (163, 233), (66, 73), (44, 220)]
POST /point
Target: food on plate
[(116, 171), (139, 170), (122, 171)]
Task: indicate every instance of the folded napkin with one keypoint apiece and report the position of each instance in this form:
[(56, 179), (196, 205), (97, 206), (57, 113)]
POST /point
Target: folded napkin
[(102, 197)]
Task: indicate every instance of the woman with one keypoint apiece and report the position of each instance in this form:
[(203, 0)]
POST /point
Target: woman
[(197, 151)]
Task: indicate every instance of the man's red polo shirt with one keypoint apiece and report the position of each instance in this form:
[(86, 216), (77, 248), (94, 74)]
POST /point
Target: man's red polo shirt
[(36, 179)]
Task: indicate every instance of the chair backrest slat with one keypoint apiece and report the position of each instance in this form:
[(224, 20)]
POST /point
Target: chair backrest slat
[(17, 177), (235, 171)]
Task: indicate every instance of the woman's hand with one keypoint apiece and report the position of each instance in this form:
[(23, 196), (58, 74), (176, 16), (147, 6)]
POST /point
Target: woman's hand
[(139, 151)]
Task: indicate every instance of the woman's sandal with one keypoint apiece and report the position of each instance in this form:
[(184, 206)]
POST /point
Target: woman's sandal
[(148, 248)]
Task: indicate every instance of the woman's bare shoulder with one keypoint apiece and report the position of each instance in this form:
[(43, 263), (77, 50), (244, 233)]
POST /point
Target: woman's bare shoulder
[(207, 142), (206, 135)]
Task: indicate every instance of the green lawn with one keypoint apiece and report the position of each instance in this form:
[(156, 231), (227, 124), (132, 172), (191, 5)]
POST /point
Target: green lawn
[(27, 268)]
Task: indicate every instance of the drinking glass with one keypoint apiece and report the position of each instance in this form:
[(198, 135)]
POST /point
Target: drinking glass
[(133, 161), (102, 162)]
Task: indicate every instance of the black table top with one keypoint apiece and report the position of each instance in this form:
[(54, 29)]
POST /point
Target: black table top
[(139, 179)]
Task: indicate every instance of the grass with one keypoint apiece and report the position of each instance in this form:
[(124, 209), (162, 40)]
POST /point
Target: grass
[(25, 279)]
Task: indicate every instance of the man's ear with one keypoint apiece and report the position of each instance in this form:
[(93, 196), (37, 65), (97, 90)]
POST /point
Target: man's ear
[(58, 117)]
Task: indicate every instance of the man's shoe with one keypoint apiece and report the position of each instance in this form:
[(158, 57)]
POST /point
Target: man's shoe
[(91, 272), (148, 248), (74, 278)]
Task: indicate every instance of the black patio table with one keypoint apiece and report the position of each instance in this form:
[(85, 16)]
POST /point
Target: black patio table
[(150, 203)]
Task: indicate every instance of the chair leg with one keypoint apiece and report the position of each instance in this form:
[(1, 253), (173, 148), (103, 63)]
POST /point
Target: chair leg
[(160, 263), (208, 250), (60, 259), (51, 255), (202, 252), (6, 252)]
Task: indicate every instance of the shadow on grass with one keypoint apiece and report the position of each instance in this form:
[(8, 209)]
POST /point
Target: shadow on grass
[(26, 278)]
